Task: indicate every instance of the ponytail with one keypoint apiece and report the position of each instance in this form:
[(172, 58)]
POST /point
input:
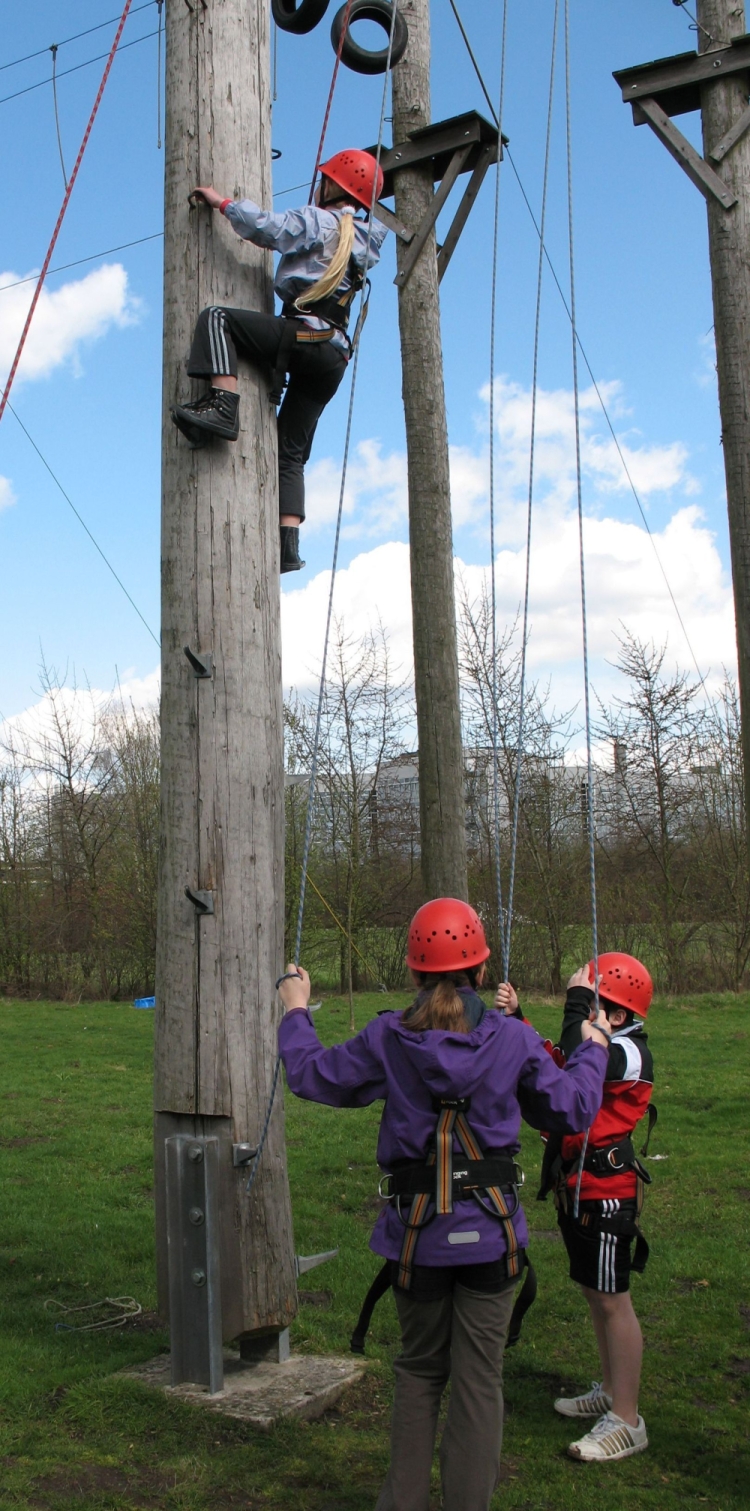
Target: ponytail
[(439, 1004), (334, 274)]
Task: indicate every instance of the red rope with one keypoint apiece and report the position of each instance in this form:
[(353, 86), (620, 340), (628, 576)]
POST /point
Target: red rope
[(63, 208), (321, 143)]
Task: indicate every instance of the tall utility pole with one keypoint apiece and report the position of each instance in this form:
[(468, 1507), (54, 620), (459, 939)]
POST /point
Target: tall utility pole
[(723, 103), (221, 888), (441, 774)]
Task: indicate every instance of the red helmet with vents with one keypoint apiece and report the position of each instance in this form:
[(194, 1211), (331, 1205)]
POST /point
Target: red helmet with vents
[(355, 172), (624, 981), (446, 935)]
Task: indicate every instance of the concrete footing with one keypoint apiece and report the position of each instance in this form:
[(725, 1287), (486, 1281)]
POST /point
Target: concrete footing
[(262, 1394)]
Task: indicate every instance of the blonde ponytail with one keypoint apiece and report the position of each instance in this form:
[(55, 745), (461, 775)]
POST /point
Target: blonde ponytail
[(334, 274)]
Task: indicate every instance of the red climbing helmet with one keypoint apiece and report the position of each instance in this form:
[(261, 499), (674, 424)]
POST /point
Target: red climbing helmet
[(624, 981), (446, 935), (356, 172)]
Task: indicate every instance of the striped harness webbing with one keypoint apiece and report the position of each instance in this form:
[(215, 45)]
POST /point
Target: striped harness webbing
[(452, 1123)]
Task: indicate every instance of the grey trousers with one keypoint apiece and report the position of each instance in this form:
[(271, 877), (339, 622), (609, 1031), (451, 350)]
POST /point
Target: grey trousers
[(461, 1337)]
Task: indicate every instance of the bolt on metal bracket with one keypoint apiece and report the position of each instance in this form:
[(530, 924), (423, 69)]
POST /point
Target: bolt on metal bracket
[(243, 1153), (203, 664), (203, 902)]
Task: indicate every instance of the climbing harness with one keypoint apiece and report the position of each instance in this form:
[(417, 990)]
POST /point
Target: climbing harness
[(435, 1181), (326, 640), (63, 208), (433, 1184)]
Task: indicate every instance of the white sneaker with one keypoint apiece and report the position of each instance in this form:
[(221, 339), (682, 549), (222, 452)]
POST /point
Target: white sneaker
[(609, 1439), (593, 1404)]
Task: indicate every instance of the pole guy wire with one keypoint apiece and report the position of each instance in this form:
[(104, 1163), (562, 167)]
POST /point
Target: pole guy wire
[(82, 522)]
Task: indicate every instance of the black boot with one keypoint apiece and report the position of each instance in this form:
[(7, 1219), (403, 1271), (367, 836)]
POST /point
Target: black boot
[(217, 413), (290, 560)]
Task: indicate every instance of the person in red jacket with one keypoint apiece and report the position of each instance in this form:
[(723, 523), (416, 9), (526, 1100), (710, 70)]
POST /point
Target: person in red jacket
[(598, 1184)]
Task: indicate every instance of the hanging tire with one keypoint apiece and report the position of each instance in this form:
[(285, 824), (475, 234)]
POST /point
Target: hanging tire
[(298, 18), (361, 59)]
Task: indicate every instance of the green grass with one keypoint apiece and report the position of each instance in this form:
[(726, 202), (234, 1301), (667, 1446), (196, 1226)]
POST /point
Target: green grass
[(76, 1224)]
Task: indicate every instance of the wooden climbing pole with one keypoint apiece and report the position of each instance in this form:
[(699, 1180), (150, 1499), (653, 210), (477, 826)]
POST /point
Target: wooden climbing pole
[(221, 885)]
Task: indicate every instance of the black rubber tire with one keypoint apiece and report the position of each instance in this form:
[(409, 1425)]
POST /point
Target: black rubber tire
[(298, 16), (360, 59)]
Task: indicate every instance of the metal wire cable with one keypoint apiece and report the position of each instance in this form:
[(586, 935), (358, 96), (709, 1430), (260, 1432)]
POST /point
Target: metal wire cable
[(529, 510), (160, 4), (493, 573), (76, 67), (587, 364), (309, 816), (82, 522), (87, 33), (53, 50), (64, 206)]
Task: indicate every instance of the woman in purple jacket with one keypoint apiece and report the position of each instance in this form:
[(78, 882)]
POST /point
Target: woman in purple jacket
[(456, 1080)]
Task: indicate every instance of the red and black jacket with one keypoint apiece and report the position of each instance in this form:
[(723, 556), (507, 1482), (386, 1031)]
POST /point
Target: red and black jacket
[(627, 1093)]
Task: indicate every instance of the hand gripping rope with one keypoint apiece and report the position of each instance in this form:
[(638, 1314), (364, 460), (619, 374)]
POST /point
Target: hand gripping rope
[(321, 690), (63, 207)]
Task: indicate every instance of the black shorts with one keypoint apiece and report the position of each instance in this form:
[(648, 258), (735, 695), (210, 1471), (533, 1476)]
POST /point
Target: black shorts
[(599, 1244)]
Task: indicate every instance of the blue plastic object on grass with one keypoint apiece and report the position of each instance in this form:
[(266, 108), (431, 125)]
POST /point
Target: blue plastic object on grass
[(145, 1002)]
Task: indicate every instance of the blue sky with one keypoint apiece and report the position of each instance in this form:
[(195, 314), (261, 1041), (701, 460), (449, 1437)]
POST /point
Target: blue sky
[(644, 313)]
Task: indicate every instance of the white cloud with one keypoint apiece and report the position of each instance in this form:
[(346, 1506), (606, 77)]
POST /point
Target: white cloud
[(7, 496), (624, 587), (83, 706), (376, 501), (66, 318)]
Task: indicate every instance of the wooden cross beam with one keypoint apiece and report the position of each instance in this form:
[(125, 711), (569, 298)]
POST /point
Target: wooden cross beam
[(464, 144), (673, 86)]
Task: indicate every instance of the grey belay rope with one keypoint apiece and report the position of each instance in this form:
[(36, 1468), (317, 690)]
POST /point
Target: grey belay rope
[(584, 630), (309, 817)]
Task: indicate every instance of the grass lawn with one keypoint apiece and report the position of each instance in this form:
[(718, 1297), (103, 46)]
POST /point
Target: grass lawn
[(76, 1225)]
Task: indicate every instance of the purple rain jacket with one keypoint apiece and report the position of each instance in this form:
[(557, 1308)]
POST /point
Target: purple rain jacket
[(501, 1065)]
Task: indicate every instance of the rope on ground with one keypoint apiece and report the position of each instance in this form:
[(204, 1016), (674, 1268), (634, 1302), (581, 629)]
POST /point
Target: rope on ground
[(64, 206), (493, 573), (119, 1310), (529, 510), (587, 364), (334, 564), (82, 522)]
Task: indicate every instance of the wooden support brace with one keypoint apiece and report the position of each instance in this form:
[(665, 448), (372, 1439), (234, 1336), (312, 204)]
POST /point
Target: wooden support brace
[(387, 218), (489, 156), (731, 137), (698, 170), (428, 221)]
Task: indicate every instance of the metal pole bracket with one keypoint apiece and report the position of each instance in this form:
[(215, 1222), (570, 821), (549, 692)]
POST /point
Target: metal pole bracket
[(203, 664)]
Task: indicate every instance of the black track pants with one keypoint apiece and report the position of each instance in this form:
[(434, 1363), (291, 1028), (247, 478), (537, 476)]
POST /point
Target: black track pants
[(462, 1338), (315, 371)]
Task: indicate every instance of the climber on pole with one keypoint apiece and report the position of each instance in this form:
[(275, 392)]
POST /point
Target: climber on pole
[(324, 250)]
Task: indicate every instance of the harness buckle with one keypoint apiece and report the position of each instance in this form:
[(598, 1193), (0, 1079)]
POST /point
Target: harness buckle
[(520, 1174), (385, 1195), (611, 1162)]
